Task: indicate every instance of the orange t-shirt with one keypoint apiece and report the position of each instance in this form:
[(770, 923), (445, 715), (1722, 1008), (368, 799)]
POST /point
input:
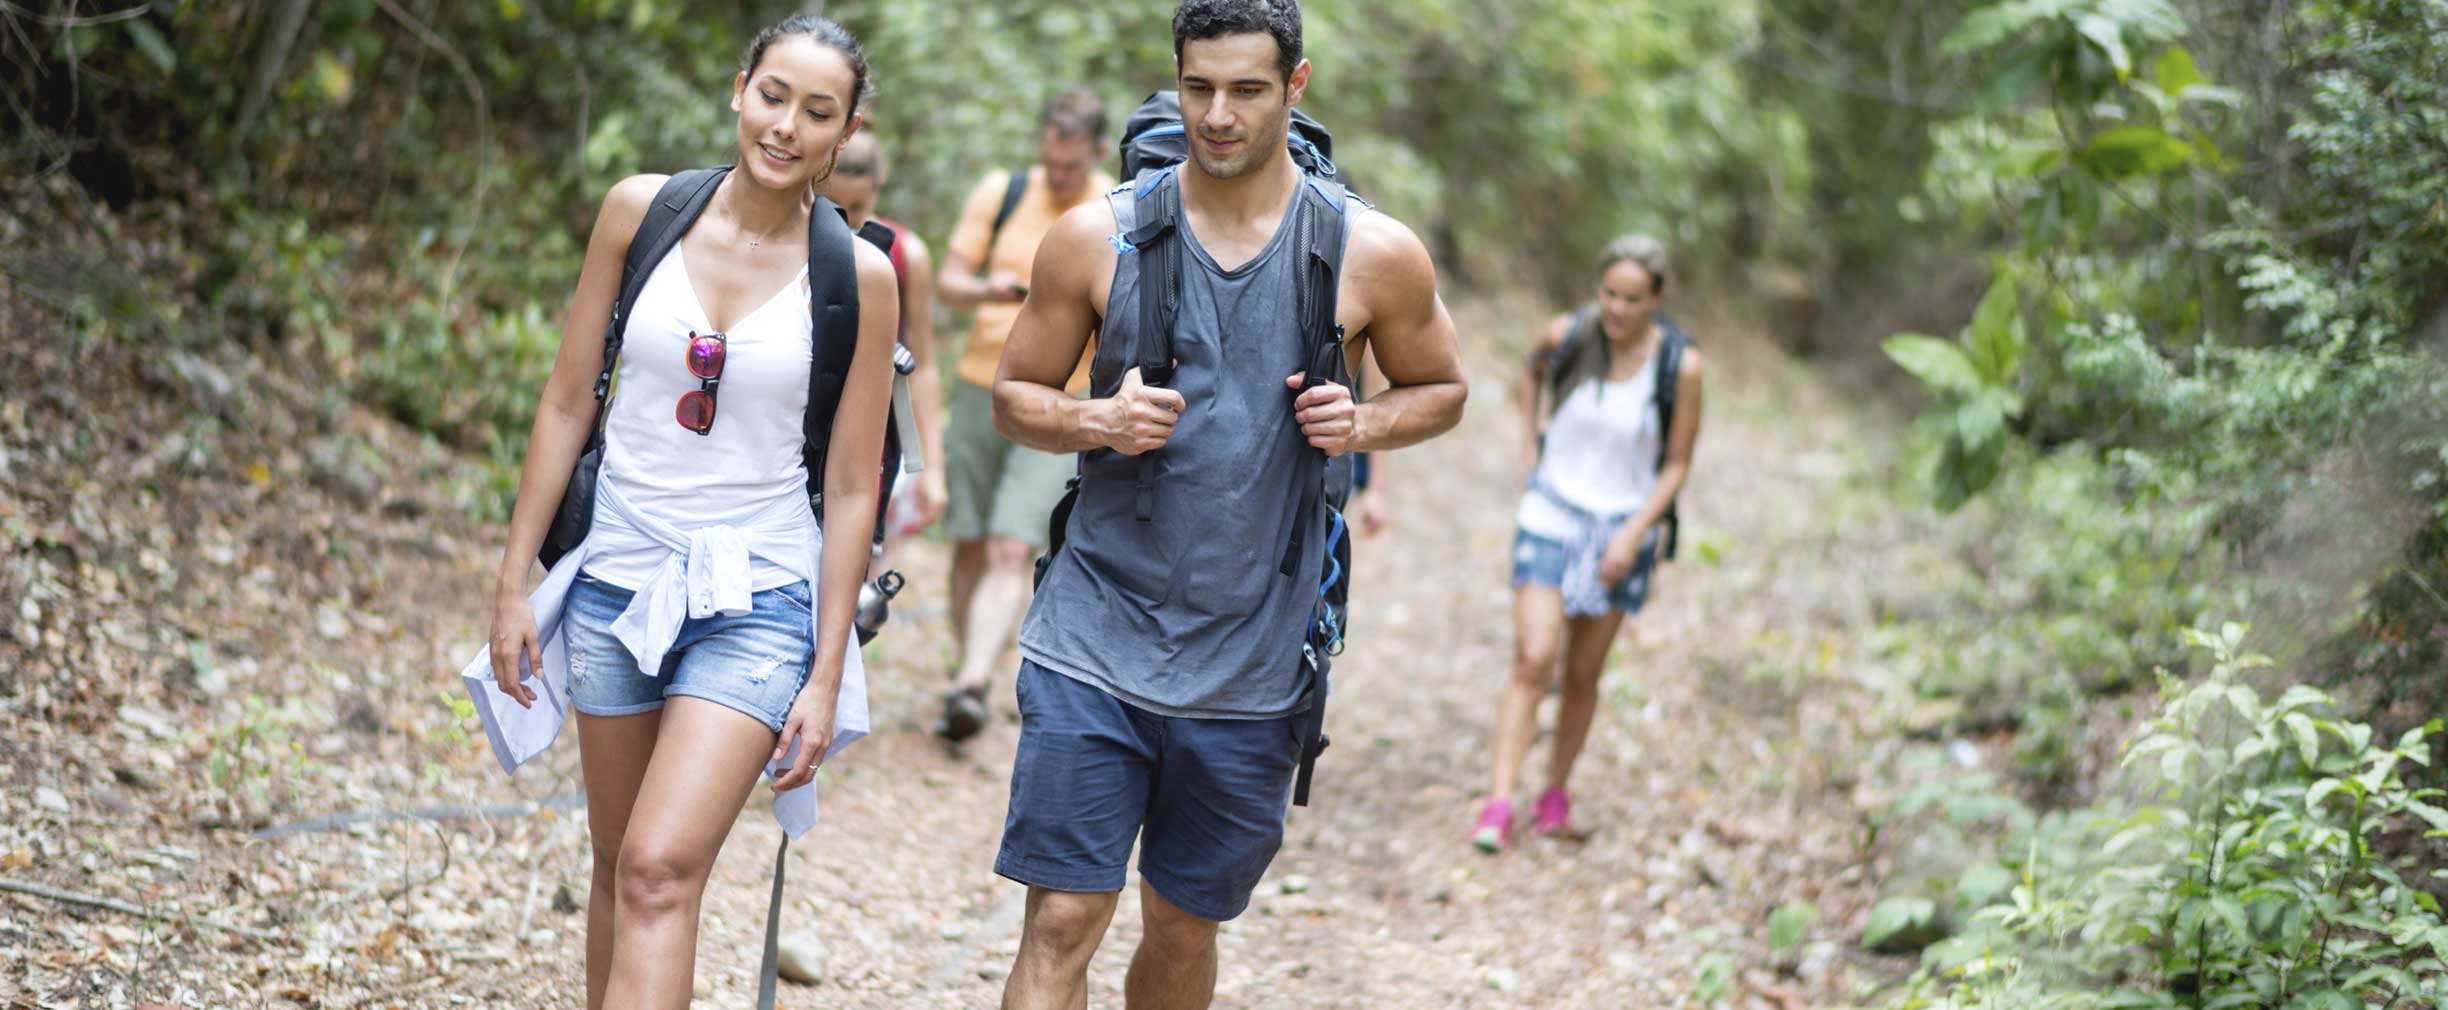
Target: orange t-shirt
[(1014, 253)]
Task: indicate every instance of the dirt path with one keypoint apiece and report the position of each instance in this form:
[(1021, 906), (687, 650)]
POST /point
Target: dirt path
[(1718, 783)]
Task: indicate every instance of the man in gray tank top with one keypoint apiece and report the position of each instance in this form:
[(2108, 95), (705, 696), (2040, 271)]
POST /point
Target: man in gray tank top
[(1162, 671)]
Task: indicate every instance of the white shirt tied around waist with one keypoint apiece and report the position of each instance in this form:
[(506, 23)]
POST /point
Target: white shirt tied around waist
[(704, 574)]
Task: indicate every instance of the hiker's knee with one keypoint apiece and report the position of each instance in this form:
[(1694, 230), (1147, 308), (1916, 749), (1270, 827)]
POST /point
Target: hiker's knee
[(1064, 924), (655, 880), (1171, 931), (1533, 663), (1005, 554)]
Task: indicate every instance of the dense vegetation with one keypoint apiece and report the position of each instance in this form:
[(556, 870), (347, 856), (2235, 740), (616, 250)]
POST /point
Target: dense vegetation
[(2186, 264)]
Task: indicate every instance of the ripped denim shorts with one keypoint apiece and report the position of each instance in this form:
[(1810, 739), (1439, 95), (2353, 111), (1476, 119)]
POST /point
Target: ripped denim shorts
[(754, 663)]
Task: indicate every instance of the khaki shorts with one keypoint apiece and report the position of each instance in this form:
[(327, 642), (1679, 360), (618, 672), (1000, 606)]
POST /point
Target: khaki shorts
[(996, 488)]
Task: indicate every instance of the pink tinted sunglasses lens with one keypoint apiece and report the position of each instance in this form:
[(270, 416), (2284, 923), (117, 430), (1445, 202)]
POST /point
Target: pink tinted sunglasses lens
[(696, 411), (705, 356)]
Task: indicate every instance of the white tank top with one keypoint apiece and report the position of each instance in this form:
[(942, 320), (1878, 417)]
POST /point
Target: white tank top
[(748, 461), (1601, 455)]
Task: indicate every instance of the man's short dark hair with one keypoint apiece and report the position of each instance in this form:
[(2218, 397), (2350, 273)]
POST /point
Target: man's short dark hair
[(1073, 114), (1200, 20)]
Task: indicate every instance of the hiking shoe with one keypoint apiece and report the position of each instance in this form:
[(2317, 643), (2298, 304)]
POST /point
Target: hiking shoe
[(1554, 810), (1495, 826), (964, 715)]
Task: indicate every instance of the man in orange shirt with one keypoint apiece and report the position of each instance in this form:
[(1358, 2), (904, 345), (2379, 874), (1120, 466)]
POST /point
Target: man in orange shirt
[(1001, 493)]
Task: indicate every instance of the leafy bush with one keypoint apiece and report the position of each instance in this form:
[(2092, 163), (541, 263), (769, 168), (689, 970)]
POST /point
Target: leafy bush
[(2252, 870)]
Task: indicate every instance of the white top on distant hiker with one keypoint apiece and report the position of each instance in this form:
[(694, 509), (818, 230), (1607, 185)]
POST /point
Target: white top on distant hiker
[(1600, 458)]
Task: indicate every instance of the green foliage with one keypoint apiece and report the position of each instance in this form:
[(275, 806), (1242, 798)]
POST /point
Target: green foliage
[(1974, 378), (2253, 869), (407, 186), (1790, 924), (2226, 291), (1901, 923), (1713, 980)]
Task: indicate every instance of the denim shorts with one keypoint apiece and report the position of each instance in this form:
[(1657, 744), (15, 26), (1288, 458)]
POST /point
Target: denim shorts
[(1205, 798), (754, 663), (1540, 561)]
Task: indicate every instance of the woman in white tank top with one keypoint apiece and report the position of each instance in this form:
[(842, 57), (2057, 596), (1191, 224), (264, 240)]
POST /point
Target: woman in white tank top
[(1601, 473), (702, 630)]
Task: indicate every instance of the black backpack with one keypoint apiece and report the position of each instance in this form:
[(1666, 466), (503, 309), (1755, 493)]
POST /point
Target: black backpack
[(1153, 146), (832, 299), (1585, 354)]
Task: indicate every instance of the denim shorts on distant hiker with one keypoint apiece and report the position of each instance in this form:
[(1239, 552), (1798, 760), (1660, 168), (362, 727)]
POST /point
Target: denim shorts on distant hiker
[(1540, 561), (754, 663), (1205, 798)]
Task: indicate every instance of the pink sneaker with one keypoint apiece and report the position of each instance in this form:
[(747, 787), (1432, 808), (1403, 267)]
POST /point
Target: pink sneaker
[(1554, 810), (1495, 826)]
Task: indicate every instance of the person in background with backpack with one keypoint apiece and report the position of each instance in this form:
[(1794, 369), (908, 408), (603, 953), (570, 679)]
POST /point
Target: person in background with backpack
[(1000, 492), (1164, 694), (701, 624), (1610, 411), (857, 183)]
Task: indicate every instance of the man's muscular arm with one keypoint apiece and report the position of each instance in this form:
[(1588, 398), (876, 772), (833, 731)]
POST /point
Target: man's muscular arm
[(1055, 323), (1387, 269)]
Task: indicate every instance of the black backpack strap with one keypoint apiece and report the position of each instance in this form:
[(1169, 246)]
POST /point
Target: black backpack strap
[(1669, 370), (1012, 192), (1158, 241), (895, 446), (1319, 231), (675, 207), (833, 304)]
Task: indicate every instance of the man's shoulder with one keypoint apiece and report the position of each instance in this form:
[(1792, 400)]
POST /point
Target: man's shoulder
[(1377, 237), (1387, 255), (1085, 224)]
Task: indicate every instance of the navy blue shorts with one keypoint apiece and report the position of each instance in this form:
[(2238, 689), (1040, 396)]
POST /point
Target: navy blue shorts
[(1206, 798)]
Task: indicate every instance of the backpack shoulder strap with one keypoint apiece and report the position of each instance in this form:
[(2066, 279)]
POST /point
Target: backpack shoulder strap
[(676, 206), (1321, 226), (833, 305), (1327, 224), (1667, 370), (1157, 209), (1013, 190), (1666, 384)]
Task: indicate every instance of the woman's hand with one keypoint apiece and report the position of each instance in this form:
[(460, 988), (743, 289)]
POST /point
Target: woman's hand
[(1622, 550), (1368, 514), (933, 497), (810, 723), (514, 642)]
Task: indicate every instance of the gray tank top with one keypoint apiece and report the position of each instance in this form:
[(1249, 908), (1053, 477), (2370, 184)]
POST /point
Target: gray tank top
[(1190, 615)]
